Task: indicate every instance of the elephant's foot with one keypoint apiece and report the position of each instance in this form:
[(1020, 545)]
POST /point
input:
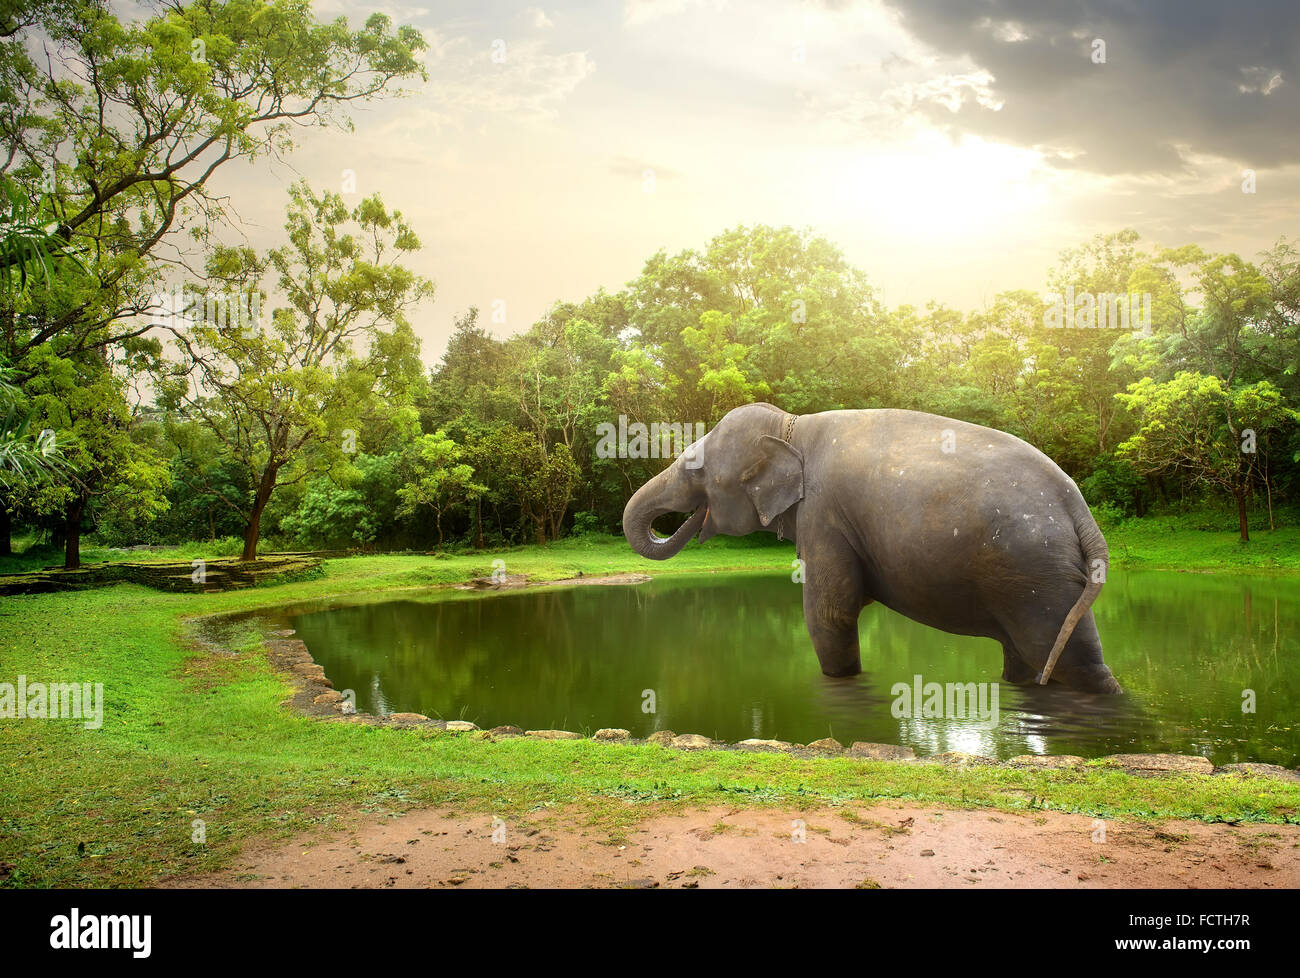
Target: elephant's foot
[(1095, 680), (843, 669)]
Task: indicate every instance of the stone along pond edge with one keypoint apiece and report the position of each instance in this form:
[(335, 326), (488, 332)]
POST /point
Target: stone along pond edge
[(315, 696)]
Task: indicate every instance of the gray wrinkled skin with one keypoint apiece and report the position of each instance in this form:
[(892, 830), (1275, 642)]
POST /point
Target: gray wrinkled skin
[(990, 539)]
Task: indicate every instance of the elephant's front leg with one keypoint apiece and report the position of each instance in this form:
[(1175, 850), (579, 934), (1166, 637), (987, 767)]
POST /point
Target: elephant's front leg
[(832, 600)]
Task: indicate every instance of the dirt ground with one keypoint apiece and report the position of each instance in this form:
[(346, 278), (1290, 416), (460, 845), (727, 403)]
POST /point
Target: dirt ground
[(887, 845)]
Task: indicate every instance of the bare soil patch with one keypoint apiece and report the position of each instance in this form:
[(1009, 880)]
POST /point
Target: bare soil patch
[(885, 845)]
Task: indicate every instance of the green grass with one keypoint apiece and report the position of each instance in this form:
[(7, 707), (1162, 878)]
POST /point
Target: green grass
[(1169, 544), (189, 734), (29, 556), (1195, 541)]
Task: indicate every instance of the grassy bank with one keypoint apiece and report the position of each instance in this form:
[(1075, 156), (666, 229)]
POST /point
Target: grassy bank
[(1169, 544), (191, 735), (1191, 542)]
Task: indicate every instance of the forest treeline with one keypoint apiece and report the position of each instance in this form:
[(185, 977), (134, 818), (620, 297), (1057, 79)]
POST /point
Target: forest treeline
[(280, 398)]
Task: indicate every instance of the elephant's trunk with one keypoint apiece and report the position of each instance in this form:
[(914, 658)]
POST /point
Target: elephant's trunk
[(651, 501)]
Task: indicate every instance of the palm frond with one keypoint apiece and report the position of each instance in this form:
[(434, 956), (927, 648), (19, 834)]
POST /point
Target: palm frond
[(28, 249)]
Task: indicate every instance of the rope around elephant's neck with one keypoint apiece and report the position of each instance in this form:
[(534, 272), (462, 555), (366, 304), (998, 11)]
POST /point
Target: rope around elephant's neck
[(787, 432)]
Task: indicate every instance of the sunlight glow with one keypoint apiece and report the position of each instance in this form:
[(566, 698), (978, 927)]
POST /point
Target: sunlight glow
[(937, 187)]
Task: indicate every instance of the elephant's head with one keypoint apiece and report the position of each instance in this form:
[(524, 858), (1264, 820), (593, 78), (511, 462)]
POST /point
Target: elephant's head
[(736, 479)]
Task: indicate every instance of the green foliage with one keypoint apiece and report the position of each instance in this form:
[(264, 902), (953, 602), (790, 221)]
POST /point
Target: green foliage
[(286, 402), (107, 472), (1202, 428), (436, 478), (1116, 485), (586, 523), (192, 87), (28, 249), (114, 125), (498, 443), (25, 457)]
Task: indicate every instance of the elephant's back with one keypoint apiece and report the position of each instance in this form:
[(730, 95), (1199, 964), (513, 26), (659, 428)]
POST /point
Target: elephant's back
[(920, 427), (956, 510), (931, 455)]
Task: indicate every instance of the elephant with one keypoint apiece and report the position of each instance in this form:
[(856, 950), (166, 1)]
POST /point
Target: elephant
[(960, 527)]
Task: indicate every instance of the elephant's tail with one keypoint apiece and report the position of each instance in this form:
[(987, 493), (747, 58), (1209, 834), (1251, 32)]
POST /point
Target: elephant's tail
[(1097, 559)]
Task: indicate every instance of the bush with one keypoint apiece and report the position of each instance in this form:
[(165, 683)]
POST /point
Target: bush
[(1108, 515), (586, 523), (1115, 483)]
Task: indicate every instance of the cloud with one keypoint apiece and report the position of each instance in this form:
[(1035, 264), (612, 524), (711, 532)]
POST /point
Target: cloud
[(535, 17), (513, 78), (1181, 78), (901, 97), (399, 11), (951, 92), (638, 12)]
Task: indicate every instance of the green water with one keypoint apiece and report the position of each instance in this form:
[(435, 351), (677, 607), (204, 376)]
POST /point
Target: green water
[(727, 656)]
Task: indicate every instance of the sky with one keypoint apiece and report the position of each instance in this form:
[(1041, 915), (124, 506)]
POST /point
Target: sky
[(950, 149)]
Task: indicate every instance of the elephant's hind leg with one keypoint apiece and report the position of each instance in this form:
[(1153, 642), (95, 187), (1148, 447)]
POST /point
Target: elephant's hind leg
[(1014, 668), (1081, 665)]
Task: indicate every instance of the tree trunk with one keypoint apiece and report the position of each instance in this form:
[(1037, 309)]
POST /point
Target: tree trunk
[(1268, 492), (6, 531), (72, 523), (254, 529), (1241, 513), (478, 523), (437, 519)]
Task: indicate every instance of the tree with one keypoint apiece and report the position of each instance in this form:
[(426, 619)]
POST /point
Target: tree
[(29, 254), (762, 313), (436, 478), (539, 482), (206, 486), (29, 246), (119, 126), (1198, 426), (270, 395), (358, 511), (1078, 368), (112, 131), (25, 460), (469, 387), (559, 368), (81, 401)]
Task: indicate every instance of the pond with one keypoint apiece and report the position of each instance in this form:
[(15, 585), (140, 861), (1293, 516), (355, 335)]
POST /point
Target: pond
[(727, 656)]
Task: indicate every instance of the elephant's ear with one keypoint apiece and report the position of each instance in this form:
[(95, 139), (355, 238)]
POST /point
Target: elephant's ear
[(774, 483)]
